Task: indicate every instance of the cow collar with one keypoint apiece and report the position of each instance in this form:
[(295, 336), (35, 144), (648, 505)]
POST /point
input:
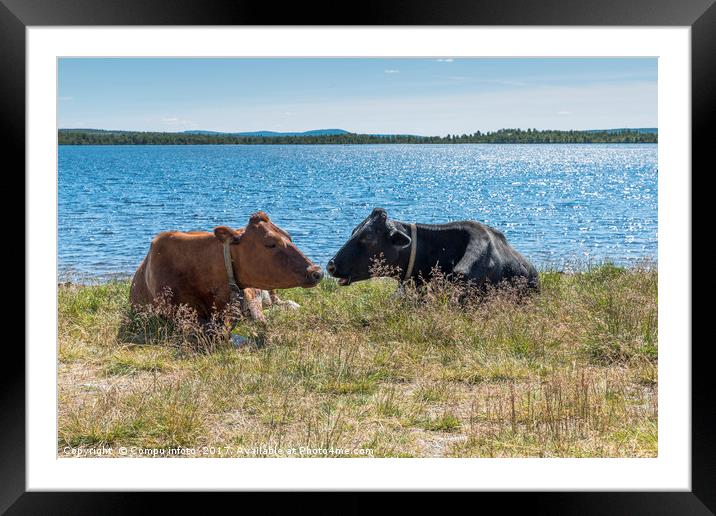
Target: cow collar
[(234, 289), (413, 247)]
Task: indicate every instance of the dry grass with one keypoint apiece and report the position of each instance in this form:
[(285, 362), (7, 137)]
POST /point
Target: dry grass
[(569, 372)]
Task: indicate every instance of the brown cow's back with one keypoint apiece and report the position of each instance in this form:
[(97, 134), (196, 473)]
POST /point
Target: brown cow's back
[(139, 294), (188, 267)]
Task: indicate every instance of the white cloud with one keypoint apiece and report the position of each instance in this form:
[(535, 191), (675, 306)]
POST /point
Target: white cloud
[(542, 107), (392, 71), (593, 106), (445, 60)]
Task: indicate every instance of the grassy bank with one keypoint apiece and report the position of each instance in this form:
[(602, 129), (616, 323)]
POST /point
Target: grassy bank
[(571, 372)]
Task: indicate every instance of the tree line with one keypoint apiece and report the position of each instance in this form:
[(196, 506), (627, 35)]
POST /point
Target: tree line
[(97, 137)]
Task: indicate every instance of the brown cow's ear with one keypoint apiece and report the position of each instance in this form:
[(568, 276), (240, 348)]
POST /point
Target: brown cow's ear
[(224, 234)]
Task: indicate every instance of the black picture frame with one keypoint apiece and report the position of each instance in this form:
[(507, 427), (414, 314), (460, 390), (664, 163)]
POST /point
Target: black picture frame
[(17, 15)]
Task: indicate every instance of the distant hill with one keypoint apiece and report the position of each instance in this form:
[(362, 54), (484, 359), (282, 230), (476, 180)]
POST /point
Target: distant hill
[(315, 132), (329, 132)]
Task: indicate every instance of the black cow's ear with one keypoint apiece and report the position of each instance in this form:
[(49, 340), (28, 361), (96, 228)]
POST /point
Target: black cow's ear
[(226, 234), (400, 239)]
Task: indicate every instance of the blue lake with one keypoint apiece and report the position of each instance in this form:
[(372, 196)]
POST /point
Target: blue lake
[(559, 205)]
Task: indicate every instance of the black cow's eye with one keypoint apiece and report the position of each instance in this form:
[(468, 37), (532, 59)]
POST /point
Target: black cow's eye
[(270, 246)]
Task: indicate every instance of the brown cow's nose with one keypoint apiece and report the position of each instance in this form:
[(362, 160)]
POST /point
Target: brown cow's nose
[(315, 273), (331, 267)]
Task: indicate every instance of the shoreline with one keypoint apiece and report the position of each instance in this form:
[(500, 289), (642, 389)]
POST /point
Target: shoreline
[(501, 136), (640, 265)]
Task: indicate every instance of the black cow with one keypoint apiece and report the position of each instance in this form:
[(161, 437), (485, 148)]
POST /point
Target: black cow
[(466, 250)]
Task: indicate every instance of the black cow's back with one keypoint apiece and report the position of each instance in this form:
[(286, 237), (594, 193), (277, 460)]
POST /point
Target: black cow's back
[(472, 250)]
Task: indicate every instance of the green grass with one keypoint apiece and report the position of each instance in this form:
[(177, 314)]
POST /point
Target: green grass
[(570, 372), (442, 423)]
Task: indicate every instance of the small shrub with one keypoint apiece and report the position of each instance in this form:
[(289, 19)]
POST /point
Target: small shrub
[(164, 323)]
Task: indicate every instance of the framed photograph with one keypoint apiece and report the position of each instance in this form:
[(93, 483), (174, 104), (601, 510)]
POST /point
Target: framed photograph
[(440, 249)]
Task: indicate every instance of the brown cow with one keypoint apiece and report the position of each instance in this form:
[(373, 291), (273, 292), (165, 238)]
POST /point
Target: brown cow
[(191, 267)]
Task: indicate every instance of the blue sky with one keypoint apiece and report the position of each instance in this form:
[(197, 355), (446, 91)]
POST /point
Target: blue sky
[(379, 95)]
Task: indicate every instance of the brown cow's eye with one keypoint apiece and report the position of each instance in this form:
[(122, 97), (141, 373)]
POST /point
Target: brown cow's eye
[(271, 246)]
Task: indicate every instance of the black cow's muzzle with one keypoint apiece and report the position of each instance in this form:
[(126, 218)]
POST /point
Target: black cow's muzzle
[(331, 268)]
